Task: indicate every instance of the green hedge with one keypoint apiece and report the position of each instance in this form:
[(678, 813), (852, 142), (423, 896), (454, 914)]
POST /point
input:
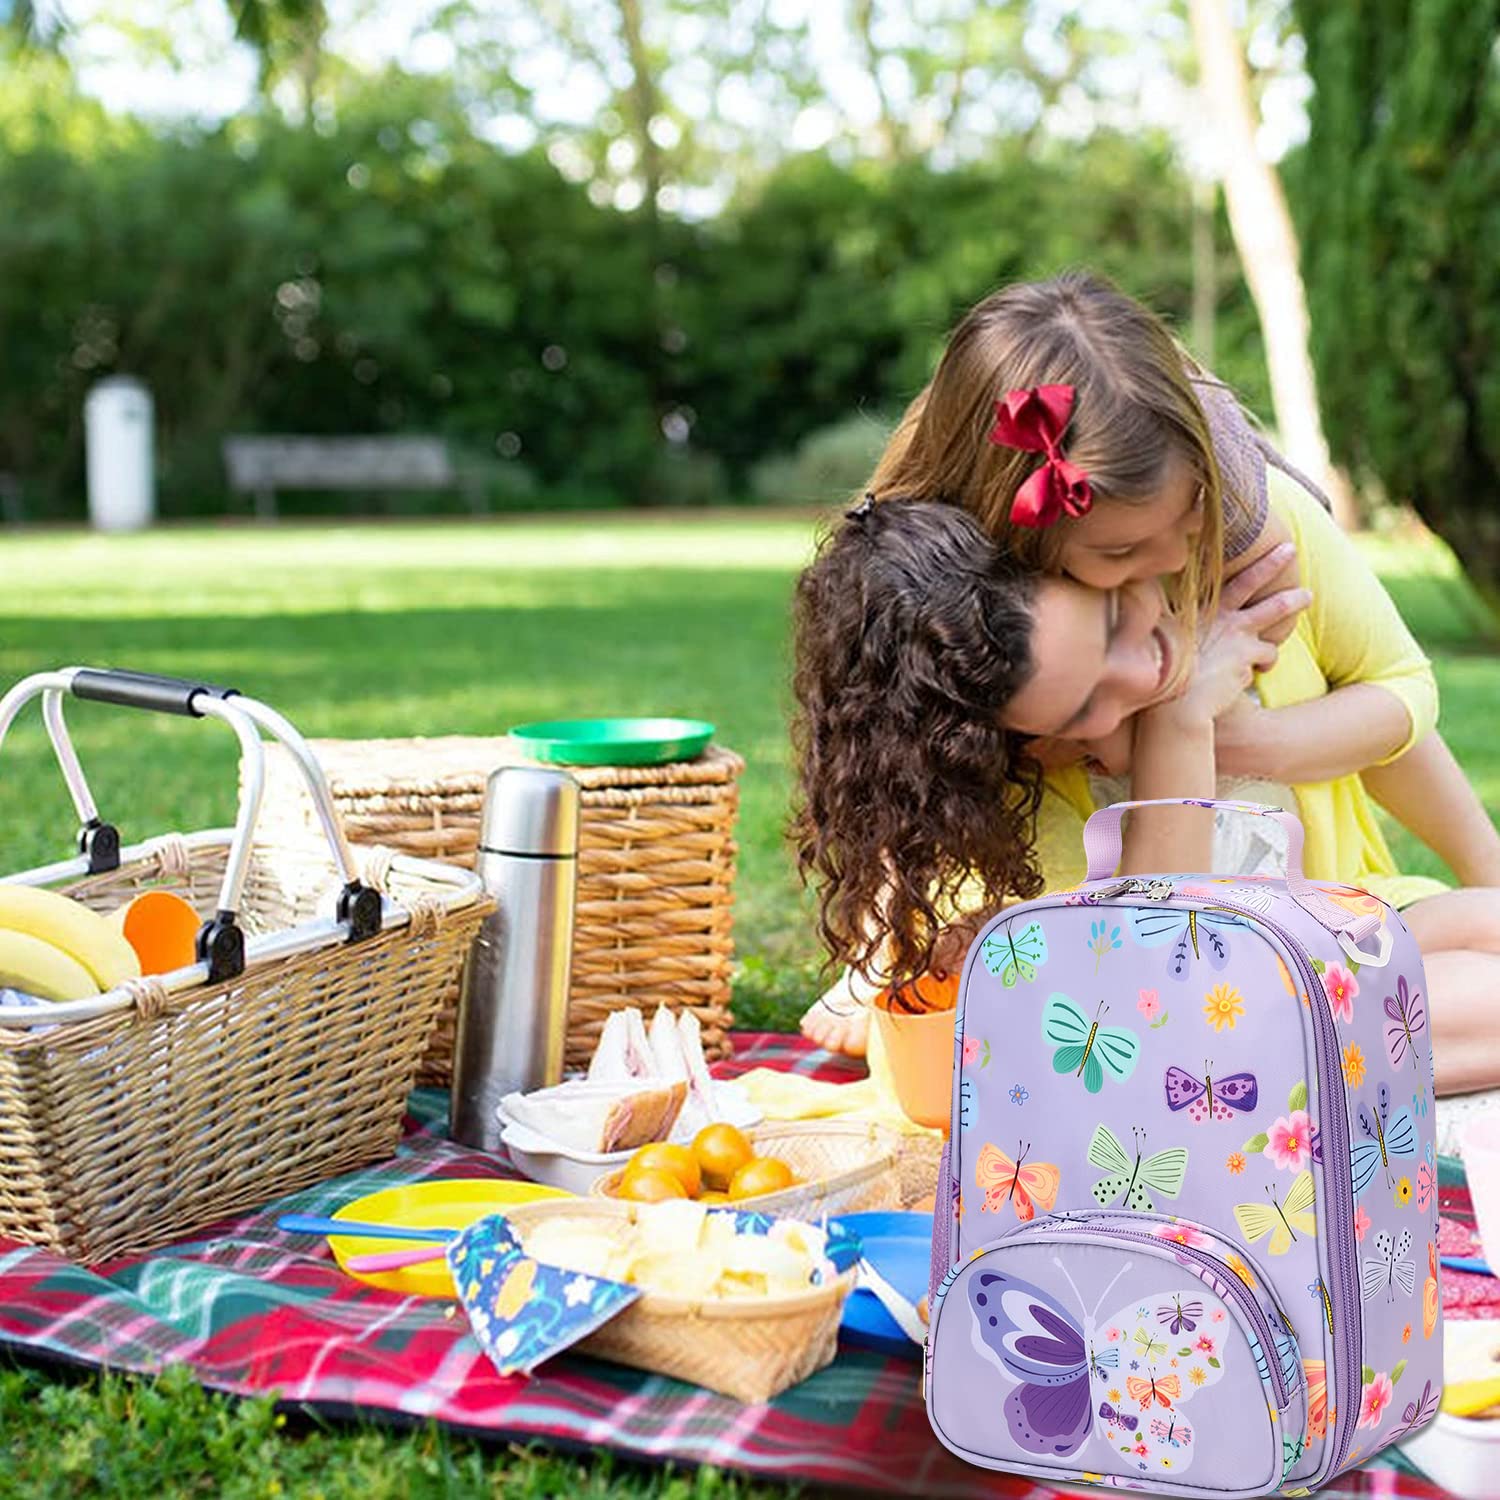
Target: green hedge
[(397, 273), (1398, 201)]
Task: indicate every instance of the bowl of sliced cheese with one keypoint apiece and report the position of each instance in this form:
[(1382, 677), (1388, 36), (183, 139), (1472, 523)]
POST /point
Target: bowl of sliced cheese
[(734, 1301)]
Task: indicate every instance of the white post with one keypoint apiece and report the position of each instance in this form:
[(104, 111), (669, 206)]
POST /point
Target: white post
[(119, 431)]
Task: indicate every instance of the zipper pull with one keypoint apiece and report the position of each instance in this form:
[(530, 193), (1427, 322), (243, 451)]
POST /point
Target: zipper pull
[(1152, 890)]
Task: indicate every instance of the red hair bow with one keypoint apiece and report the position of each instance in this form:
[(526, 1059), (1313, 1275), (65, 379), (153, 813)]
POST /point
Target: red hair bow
[(1034, 420)]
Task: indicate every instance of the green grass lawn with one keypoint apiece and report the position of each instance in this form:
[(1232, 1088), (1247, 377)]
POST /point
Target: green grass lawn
[(371, 630)]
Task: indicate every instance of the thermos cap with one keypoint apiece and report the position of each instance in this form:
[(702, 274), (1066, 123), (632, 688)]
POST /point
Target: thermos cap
[(530, 810)]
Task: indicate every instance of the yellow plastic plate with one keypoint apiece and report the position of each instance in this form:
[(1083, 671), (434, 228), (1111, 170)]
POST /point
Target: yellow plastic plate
[(447, 1203)]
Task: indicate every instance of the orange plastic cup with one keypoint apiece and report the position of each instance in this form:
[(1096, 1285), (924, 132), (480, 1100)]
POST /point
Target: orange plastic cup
[(919, 1046), (163, 930)]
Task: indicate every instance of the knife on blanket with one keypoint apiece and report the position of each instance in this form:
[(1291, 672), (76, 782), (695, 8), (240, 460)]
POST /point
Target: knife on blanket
[(902, 1312)]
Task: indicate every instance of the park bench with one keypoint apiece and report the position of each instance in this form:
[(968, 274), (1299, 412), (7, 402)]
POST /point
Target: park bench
[(260, 466)]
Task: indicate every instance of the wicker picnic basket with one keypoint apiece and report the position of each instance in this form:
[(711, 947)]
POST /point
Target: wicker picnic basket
[(748, 1348), (656, 862), (841, 1167), (282, 1057)]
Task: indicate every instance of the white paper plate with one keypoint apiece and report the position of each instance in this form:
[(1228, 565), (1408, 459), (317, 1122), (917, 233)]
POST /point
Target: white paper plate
[(545, 1160)]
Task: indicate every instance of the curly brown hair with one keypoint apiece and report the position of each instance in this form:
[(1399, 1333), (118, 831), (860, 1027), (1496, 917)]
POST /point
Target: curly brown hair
[(912, 632)]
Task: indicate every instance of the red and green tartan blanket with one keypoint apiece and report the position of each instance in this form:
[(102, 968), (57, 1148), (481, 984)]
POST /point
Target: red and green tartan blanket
[(254, 1311)]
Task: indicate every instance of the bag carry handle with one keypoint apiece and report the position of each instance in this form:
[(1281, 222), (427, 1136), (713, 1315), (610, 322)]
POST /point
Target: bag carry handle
[(1102, 840), (221, 942), (1102, 844)]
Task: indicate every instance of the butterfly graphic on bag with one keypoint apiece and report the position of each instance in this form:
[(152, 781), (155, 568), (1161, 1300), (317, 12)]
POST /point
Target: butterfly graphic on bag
[(1430, 1292), (1405, 1017), (1024, 1183), (1013, 958), (1163, 1170), (1180, 1316), (1208, 1098), (1388, 1268), (1318, 1415), (1194, 936), (1171, 1430), (1045, 1351), (1282, 1219), (1286, 1356), (1087, 1049), (1420, 1412), (1163, 1390), (1384, 1138)]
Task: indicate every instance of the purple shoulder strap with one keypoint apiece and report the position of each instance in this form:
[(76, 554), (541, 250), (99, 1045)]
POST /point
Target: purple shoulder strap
[(1242, 454)]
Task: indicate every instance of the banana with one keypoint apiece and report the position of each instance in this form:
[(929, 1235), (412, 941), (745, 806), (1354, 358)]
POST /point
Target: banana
[(38, 968), (81, 934)]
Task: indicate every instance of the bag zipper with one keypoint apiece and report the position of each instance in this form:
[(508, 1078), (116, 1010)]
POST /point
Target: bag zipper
[(1236, 1289), (1338, 1183)]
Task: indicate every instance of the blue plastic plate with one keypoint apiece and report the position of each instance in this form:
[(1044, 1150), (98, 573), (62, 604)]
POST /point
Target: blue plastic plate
[(899, 1246)]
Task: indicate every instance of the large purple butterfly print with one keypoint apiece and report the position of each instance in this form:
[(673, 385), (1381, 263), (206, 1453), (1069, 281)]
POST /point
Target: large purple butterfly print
[(1048, 1355), (1209, 1098), (1405, 1017)]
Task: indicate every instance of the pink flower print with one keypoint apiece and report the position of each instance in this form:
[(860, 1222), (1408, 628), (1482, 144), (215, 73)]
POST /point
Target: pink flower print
[(1205, 1345), (1111, 1335), (1180, 1234), (1361, 1223), (1149, 1004), (1196, 893), (1342, 987), (971, 1049), (1378, 1395), (1140, 1450), (1217, 1316), (1289, 1141)]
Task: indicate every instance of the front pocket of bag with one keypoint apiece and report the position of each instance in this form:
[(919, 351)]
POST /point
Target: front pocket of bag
[(1089, 1354)]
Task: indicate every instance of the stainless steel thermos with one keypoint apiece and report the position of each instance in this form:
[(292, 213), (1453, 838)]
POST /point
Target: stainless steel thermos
[(512, 1019)]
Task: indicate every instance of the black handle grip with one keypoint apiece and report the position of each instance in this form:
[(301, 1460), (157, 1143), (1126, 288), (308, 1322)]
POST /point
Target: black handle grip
[(147, 690)]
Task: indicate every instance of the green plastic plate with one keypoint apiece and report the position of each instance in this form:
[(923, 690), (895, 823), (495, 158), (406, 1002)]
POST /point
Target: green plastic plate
[(614, 742)]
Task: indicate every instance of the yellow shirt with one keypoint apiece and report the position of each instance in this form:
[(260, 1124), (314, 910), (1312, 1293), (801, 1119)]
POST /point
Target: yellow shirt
[(1351, 632)]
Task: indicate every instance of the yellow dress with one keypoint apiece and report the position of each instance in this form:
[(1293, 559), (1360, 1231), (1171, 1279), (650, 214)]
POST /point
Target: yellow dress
[(1351, 632)]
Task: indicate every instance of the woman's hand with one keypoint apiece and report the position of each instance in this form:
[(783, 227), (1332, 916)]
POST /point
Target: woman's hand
[(1233, 646)]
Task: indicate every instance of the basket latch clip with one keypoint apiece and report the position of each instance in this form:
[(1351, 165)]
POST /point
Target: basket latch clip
[(221, 945), (361, 907), (99, 843)]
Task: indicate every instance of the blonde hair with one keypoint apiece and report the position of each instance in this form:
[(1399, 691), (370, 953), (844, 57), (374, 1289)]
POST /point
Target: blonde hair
[(1134, 409)]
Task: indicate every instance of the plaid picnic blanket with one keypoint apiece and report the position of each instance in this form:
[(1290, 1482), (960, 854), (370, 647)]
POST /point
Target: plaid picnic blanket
[(255, 1311)]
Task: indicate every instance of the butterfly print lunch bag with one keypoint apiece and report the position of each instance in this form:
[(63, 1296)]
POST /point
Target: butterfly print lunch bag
[(1186, 1238)]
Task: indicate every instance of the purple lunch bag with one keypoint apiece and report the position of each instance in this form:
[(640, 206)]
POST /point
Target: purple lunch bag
[(1186, 1228)]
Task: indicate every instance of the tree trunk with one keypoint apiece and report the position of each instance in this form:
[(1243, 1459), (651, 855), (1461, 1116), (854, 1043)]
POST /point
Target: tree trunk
[(1205, 272), (1267, 245)]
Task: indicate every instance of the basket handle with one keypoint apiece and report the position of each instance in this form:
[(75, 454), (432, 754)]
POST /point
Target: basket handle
[(221, 942)]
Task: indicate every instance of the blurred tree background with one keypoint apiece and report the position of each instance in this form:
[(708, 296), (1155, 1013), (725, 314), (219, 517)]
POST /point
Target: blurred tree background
[(714, 284), (689, 252)]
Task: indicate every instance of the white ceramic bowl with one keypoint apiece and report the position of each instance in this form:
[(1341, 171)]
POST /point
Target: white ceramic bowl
[(1481, 1141), (544, 1160)]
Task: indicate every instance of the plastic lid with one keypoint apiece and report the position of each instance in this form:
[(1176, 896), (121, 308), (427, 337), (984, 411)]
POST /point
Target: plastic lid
[(530, 810)]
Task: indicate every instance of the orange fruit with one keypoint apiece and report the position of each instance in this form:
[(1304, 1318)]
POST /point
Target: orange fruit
[(163, 930), (761, 1174), (676, 1161), (710, 1197), (721, 1151), (649, 1185)]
